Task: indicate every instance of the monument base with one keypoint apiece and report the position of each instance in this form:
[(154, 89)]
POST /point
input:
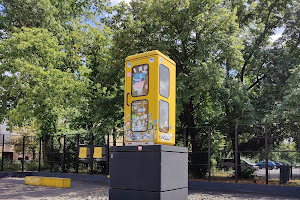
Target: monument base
[(154, 172)]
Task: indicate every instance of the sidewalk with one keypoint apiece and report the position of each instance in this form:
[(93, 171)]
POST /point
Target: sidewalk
[(15, 188)]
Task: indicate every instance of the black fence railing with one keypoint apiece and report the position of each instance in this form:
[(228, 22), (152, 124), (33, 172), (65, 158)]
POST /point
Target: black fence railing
[(56, 153), (237, 153), (241, 153)]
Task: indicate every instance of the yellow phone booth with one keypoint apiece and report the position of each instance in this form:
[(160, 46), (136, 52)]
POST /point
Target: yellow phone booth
[(150, 97), (149, 166)]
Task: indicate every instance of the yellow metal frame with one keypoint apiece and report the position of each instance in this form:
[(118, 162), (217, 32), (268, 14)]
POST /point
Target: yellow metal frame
[(153, 59), (97, 152), (82, 152)]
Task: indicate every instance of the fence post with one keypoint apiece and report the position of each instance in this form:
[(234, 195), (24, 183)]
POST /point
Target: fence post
[(23, 150), (123, 139), (209, 153), (51, 163), (291, 171), (236, 153), (114, 138), (267, 153), (40, 149), (2, 156), (107, 154), (91, 155), (77, 159), (64, 154), (185, 137)]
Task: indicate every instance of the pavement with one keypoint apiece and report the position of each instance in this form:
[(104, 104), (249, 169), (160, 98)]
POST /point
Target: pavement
[(14, 188), (275, 173), (233, 195)]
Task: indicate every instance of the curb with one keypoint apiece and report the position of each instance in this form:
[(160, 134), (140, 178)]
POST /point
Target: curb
[(291, 191), (78, 177)]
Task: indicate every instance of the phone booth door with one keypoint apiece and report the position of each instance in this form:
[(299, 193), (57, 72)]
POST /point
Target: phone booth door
[(137, 104)]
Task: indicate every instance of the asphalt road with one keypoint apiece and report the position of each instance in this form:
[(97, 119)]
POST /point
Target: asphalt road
[(14, 188), (275, 173)]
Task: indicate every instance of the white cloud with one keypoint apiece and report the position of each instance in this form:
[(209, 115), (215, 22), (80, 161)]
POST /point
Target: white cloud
[(115, 2), (278, 33), (275, 37)]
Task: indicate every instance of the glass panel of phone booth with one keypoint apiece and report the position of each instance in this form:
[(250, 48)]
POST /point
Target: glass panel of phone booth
[(163, 116), (140, 80), (139, 116), (164, 81)]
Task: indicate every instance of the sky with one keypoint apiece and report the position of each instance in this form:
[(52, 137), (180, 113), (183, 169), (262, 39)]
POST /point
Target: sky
[(278, 33), (115, 2)]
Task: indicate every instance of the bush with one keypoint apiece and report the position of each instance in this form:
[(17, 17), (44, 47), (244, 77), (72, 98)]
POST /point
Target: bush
[(11, 166), (247, 173), (45, 167), (197, 165), (32, 166)]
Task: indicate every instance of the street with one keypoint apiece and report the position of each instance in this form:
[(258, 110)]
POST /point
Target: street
[(275, 173)]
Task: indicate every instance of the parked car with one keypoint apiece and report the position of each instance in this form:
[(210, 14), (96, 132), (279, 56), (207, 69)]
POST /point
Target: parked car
[(228, 163), (278, 164), (248, 164), (262, 164)]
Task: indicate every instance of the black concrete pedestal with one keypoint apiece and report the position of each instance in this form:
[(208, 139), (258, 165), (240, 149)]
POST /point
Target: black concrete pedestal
[(155, 172)]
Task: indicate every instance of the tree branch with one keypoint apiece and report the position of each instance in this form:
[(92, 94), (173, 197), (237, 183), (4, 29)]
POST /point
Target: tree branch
[(259, 39), (257, 81), (244, 67)]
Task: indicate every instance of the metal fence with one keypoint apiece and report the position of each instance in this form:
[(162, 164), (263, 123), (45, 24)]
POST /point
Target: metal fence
[(242, 153), (239, 153), (57, 153)]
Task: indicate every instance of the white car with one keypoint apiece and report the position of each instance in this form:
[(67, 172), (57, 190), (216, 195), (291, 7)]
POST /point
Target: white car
[(228, 163)]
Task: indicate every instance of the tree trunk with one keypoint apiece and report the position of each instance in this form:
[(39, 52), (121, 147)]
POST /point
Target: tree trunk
[(198, 158), (233, 138), (114, 137), (46, 147)]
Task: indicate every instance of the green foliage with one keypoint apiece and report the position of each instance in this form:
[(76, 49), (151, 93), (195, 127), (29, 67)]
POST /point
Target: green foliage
[(34, 166), (9, 166), (197, 45), (247, 173), (289, 109), (37, 89), (61, 65), (31, 166), (286, 153), (51, 14)]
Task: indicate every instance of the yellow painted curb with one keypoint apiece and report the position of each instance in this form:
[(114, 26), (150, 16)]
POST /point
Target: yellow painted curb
[(48, 181)]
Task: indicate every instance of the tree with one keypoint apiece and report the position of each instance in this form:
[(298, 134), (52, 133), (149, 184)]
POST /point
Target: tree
[(33, 88), (29, 133), (263, 73), (66, 74), (286, 109), (201, 37), (265, 68), (58, 87), (228, 71), (56, 16), (101, 111)]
